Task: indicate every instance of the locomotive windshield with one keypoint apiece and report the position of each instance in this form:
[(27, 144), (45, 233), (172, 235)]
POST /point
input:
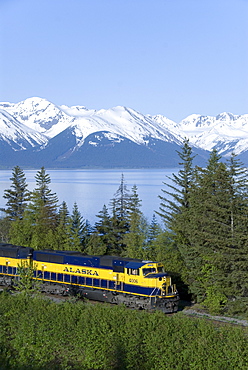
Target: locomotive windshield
[(150, 270)]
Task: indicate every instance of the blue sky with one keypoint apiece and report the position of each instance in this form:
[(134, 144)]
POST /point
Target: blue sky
[(170, 57)]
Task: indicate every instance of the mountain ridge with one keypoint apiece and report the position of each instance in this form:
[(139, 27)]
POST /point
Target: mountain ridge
[(35, 129)]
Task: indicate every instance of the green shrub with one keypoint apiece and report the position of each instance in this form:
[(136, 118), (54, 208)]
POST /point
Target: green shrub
[(37, 334), (215, 300)]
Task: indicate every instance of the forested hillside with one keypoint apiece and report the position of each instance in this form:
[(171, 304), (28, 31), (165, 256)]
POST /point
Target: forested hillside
[(202, 238)]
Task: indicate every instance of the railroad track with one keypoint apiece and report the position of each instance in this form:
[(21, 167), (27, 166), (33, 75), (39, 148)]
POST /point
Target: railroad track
[(222, 319)]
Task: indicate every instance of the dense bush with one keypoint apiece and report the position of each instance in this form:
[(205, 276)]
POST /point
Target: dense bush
[(36, 333)]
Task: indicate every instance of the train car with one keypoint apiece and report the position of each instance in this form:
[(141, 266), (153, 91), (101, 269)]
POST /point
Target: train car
[(12, 256), (132, 282)]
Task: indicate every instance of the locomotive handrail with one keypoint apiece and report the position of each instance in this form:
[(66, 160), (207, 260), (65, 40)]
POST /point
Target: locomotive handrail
[(153, 291)]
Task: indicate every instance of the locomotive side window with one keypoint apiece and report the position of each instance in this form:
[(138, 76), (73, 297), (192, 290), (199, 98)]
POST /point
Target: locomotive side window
[(133, 271)]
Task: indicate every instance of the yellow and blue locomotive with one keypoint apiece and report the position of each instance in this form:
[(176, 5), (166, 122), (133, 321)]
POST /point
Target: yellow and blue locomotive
[(132, 282)]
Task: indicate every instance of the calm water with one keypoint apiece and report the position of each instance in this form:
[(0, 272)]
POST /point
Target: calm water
[(91, 189)]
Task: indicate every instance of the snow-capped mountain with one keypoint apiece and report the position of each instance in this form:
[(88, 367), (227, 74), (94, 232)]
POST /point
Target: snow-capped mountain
[(39, 114), (36, 132), (18, 135), (51, 120), (225, 132)]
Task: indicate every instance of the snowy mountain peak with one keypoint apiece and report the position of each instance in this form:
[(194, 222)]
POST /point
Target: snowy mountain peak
[(17, 135), (226, 117), (33, 106), (75, 110), (39, 120)]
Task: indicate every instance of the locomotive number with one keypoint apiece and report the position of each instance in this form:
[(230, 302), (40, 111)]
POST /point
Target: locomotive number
[(133, 281)]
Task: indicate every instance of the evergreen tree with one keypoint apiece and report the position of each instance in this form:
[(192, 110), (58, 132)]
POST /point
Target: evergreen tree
[(96, 245), (175, 204), (154, 231), (238, 251), (121, 198), (174, 209), (134, 202), (164, 249), (78, 229), (119, 219), (4, 230), (135, 238), (117, 232), (43, 200), (100, 241), (209, 229), (40, 218), (103, 226), (18, 196), (87, 231), (21, 231), (64, 229)]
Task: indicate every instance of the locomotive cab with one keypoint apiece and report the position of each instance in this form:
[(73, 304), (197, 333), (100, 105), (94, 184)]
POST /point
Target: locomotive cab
[(160, 279)]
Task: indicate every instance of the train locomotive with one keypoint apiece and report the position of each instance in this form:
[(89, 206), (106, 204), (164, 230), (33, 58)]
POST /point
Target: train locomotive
[(132, 282)]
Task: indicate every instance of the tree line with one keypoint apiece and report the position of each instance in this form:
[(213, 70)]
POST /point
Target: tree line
[(202, 240), (35, 219)]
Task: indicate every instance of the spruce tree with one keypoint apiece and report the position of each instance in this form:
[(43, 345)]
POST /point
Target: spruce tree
[(18, 196), (78, 229), (40, 218), (102, 240), (119, 219), (164, 249), (43, 200), (64, 229), (174, 209), (209, 229), (117, 232), (238, 249), (121, 203), (154, 230), (135, 238), (21, 231), (96, 245), (175, 203), (87, 231), (5, 225), (103, 225)]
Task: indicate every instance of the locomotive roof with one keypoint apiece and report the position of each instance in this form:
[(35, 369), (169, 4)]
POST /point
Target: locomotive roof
[(14, 251), (135, 265)]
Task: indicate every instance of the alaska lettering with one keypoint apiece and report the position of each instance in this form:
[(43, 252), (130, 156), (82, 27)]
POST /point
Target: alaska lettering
[(81, 271)]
